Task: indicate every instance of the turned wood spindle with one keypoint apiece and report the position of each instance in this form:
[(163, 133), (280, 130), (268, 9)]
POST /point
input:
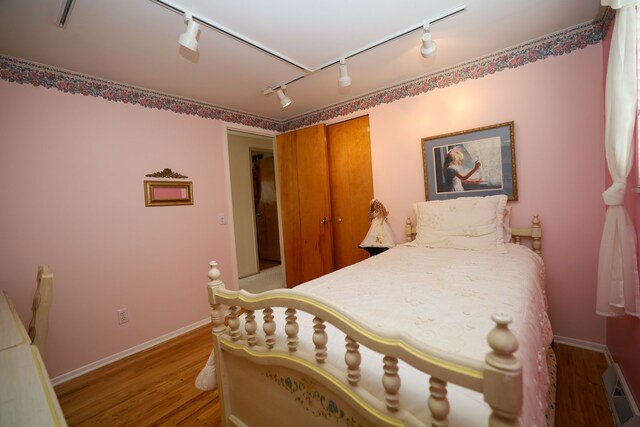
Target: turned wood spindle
[(320, 339), (269, 327), (291, 329), (438, 402), (391, 383), (352, 358), (234, 323), (251, 327)]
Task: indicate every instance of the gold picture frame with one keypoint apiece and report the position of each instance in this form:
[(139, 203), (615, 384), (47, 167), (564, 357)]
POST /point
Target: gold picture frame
[(168, 193), (495, 174)]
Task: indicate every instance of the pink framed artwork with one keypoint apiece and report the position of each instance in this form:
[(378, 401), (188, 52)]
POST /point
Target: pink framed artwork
[(168, 193)]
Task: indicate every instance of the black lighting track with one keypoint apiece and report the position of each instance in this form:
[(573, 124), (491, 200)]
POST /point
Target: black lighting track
[(227, 33), (64, 14)]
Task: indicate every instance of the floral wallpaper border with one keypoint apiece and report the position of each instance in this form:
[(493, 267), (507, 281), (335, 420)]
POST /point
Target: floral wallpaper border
[(26, 72), (553, 45), (561, 43)]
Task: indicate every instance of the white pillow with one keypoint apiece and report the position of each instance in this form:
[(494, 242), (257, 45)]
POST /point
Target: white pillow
[(469, 223)]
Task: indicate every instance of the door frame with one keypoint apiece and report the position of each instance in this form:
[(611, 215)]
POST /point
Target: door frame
[(262, 134)]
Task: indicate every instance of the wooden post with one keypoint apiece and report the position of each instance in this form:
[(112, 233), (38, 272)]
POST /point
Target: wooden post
[(536, 234), (408, 230), (217, 314), (206, 379), (438, 402), (251, 327), (391, 383), (42, 299), (352, 358), (291, 329), (234, 323), (269, 327), (320, 339), (503, 383)]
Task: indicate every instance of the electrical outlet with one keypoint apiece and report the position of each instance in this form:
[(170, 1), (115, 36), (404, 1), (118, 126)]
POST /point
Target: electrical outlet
[(123, 315)]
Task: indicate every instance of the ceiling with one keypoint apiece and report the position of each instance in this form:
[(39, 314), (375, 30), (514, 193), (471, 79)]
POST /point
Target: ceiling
[(136, 42)]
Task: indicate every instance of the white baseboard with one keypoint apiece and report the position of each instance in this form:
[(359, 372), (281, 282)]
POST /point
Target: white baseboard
[(588, 345), (136, 349)]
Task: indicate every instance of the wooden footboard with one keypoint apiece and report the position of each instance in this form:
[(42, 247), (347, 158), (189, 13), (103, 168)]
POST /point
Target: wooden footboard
[(266, 380)]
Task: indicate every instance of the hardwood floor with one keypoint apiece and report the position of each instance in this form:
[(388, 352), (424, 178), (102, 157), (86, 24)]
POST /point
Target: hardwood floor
[(155, 387), (580, 397)]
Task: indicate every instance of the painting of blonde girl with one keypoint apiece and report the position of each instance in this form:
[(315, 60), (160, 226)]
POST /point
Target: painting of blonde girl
[(454, 178)]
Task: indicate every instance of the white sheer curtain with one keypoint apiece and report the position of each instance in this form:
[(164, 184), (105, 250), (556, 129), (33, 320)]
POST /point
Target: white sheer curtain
[(618, 288)]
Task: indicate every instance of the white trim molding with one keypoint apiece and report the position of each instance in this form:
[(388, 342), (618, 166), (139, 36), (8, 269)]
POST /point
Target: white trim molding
[(121, 355), (588, 345)]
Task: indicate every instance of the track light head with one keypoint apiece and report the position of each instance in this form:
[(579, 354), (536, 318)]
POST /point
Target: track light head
[(429, 47), (188, 38), (344, 80), (284, 99)]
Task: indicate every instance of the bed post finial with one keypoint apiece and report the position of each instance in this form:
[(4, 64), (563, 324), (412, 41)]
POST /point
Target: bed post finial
[(217, 316), (214, 273), (536, 234), (503, 377), (408, 230)]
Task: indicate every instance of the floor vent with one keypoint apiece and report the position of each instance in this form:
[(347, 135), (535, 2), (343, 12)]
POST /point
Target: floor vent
[(625, 411)]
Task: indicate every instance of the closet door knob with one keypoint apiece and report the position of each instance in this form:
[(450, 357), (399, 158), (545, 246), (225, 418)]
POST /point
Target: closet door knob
[(324, 221), (339, 219)]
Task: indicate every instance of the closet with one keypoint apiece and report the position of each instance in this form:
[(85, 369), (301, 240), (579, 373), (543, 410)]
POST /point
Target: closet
[(326, 184)]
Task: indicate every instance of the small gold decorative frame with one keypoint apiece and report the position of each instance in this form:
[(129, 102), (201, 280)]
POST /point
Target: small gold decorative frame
[(168, 193)]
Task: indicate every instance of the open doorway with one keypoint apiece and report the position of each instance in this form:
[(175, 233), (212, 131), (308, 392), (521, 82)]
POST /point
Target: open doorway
[(266, 209), (255, 211)]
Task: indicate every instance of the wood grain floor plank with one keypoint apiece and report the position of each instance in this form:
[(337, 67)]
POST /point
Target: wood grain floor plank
[(580, 398), (155, 388)]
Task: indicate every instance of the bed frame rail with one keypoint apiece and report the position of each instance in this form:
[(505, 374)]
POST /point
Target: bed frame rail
[(498, 377)]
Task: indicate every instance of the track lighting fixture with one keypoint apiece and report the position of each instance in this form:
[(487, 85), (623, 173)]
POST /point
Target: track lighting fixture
[(344, 80), (284, 99), (429, 47), (188, 38)]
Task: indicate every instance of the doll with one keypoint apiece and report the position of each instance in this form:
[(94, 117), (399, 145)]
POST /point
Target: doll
[(379, 234)]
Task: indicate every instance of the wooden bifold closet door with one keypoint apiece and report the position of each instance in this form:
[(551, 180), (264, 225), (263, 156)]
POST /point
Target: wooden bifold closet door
[(326, 185), (351, 180), (305, 204)]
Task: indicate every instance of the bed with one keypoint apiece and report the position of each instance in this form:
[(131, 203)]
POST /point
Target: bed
[(449, 328)]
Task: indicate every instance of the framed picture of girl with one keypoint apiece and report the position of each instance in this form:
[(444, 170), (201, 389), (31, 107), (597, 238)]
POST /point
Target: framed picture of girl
[(474, 162)]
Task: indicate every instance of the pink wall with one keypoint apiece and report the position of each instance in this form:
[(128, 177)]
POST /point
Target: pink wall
[(108, 251), (71, 173), (557, 107), (623, 334)]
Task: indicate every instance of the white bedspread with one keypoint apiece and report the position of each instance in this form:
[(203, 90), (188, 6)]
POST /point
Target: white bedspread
[(445, 298)]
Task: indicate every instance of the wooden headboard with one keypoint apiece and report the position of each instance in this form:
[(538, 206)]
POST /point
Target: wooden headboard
[(534, 233)]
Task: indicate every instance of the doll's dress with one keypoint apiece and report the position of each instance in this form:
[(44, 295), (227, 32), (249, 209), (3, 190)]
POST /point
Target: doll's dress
[(379, 235)]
